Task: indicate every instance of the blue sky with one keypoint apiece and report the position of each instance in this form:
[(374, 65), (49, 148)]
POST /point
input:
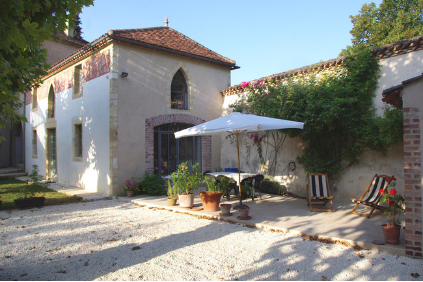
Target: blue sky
[(263, 38)]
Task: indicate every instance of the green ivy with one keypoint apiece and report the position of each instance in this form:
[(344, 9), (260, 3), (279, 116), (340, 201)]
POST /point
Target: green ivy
[(337, 109)]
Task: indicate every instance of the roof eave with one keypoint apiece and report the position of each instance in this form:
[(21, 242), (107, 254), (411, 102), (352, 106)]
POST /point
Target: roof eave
[(151, 46)]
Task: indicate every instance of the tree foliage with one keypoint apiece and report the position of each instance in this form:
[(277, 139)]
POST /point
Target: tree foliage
[(337, 109), (24, 25), (78, 29), (392, 21)]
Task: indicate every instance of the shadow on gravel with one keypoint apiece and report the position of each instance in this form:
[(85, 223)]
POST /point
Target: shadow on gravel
[(43, 258)]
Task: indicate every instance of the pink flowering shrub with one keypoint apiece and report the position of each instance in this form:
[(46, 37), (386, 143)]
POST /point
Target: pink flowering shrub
[(130, 186), (256, 139)]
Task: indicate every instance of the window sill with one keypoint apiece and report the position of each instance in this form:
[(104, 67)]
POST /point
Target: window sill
[(77, 159), (34, 157)]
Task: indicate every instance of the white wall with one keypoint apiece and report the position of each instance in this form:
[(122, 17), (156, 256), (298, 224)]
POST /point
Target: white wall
[(92, 109), (36, 120), (395, 70)]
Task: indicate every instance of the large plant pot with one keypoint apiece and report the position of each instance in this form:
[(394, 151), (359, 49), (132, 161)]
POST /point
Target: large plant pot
[(210, 201), (129, 193), (186, 201), (172, 201), (391, 234), (30, 202)]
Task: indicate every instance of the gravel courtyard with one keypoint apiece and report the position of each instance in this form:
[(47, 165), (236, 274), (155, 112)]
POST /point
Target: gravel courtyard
[(114, 240)]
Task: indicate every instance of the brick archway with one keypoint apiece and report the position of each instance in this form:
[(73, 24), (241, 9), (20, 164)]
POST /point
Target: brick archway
[(150, 123)]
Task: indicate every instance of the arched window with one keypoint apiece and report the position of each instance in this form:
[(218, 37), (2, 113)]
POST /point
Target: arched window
[(179, 91), (51, 103)]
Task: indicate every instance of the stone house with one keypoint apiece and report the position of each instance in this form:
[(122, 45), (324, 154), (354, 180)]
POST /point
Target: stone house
[(107, 112), (12, 150)]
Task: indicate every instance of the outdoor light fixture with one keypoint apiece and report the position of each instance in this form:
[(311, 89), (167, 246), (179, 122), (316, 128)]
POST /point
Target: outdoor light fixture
[(124, 74)]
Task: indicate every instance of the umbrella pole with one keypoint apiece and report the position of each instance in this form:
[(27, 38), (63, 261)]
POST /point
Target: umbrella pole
[(239, 170)]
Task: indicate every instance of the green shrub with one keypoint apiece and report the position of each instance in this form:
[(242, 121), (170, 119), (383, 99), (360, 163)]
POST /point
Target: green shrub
[(153, 185), (271, 186)]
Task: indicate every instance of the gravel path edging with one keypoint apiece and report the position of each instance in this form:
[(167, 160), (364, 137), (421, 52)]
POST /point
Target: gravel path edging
[(309, 236)]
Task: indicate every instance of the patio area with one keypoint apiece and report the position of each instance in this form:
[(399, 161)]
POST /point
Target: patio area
[(288, 214)]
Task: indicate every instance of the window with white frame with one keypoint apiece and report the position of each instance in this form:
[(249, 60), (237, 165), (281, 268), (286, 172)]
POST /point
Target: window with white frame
[(77, 82)]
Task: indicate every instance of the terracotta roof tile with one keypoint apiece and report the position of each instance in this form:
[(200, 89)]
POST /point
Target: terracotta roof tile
[(168, 38), (160, 38), (389, 50)]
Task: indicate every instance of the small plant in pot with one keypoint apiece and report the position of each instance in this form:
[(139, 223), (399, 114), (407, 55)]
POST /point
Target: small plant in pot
[(391, 230), (186, 181), (211, 197), (172, 193), (30, 198), (130, 187)]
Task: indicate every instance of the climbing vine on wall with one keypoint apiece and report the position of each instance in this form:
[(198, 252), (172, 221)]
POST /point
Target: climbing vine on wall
[(337, 109)]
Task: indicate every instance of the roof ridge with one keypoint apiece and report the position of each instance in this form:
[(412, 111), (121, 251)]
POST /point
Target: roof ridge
[(137, 29)]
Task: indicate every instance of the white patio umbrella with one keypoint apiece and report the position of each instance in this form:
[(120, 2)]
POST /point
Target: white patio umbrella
[(238, 123)]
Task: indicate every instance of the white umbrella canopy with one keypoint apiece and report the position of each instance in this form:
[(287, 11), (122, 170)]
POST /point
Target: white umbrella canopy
[(237, 123)]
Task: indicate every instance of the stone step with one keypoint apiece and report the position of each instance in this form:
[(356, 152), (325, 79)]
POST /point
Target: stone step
[(8, 170), (12, 175)]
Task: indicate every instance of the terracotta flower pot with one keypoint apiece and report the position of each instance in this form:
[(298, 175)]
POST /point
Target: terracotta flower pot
[(129, 193), (172, 201), (186, 201), (243, 212), (391, 234), (226, 209), (210, 201)]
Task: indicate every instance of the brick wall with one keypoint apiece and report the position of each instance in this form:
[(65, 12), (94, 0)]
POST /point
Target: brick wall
[(413, 183), (178, 118)]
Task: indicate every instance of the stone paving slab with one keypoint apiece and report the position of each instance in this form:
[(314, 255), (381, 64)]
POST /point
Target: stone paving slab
[(287, 214)]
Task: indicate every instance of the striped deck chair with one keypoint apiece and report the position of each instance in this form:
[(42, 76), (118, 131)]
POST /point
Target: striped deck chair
[(318, 191), (372, 195)]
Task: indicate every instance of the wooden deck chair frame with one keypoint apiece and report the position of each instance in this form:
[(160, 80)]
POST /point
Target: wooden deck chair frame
[(374, 204), (322, 200)]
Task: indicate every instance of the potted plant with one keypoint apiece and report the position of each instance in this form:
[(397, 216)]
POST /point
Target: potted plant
[(130, 187), (172, 193), (186, 181), (211, 198), (29, 196), (391, 230)]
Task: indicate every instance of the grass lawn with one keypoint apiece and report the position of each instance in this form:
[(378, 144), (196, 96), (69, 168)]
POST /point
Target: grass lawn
[(11, 189)]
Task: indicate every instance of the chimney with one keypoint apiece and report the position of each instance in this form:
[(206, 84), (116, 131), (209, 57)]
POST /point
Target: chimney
[(166, 22), (69, 31)]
